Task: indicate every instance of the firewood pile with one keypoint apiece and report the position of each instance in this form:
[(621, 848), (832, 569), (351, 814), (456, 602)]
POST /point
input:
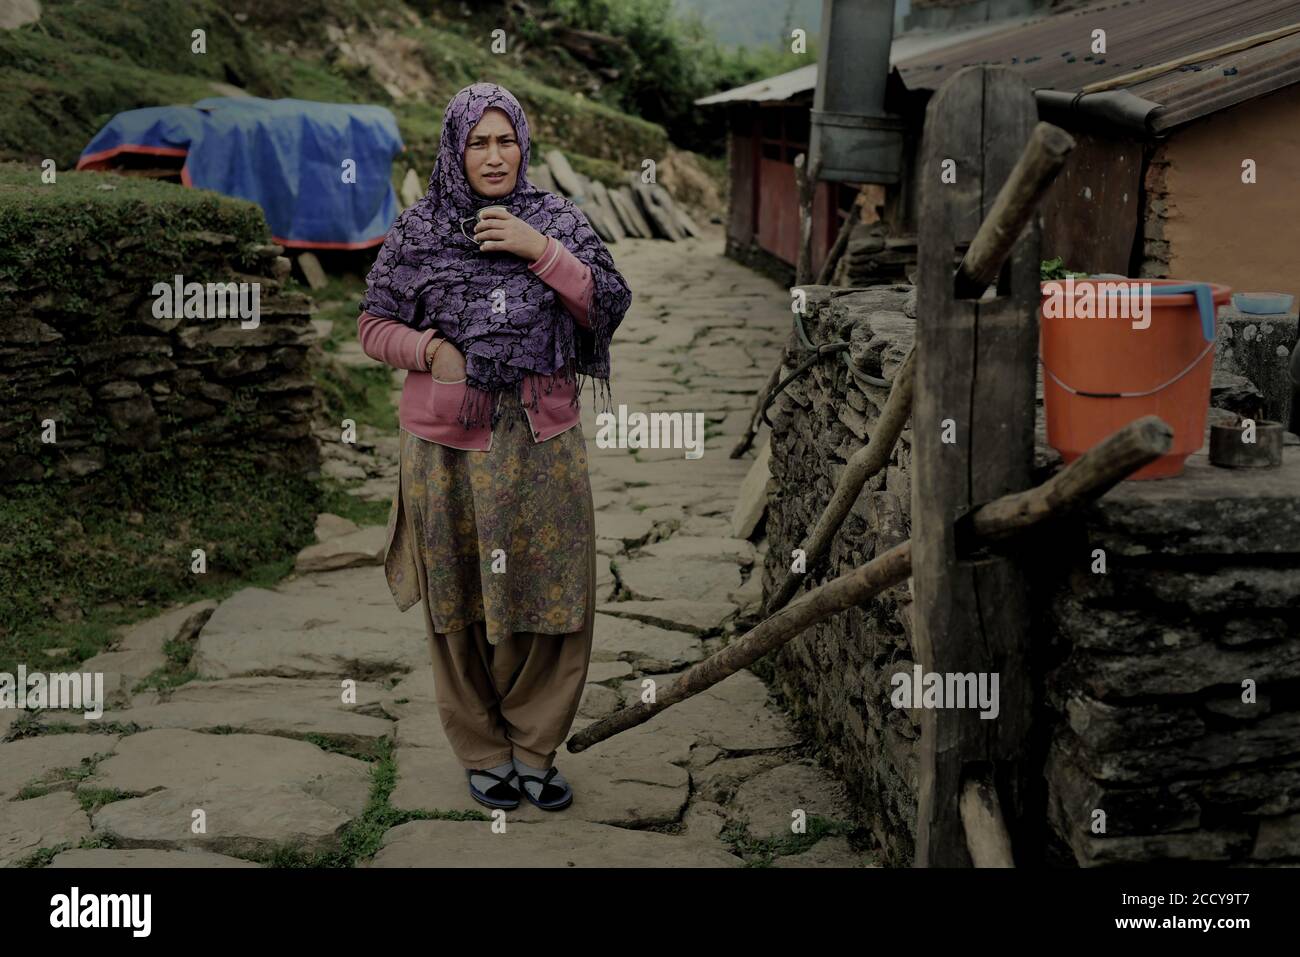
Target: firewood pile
[(874, 258)]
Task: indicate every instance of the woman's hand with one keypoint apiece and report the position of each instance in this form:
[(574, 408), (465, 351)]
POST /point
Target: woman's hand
[(448, 365), (499, 231)]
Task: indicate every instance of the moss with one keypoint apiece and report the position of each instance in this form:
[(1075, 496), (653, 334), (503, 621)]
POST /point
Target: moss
[(70, 243), (761, 852)]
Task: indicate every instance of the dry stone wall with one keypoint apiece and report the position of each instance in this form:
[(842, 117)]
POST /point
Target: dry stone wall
[(82, 345), (1139, 667)]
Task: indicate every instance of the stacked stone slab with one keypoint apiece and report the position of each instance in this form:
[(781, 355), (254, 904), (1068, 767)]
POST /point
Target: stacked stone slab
[(835, 676), (1142, 666), (1155, 726), (641, 210), (872, 257), (80, 343)]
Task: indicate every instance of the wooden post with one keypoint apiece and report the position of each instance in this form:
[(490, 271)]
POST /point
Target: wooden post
[(1086, 478), (806, 177), (973, 430)]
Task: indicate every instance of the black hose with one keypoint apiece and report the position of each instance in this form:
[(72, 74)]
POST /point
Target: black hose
[(819, 351)]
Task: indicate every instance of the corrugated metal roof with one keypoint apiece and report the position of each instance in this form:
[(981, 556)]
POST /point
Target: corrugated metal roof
[(1187, 95), (1055, 53), (804, 79), (779, 87)]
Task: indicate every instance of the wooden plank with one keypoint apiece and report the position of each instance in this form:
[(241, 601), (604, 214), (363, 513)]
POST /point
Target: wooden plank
[(986, 831), (1090, 214), (975, 367)]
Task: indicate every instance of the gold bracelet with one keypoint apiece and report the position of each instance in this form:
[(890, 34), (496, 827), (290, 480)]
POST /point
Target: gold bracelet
[(433, 355)]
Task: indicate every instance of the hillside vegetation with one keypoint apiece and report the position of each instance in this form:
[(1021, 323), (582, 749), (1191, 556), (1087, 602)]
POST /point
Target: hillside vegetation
[(609, 101)]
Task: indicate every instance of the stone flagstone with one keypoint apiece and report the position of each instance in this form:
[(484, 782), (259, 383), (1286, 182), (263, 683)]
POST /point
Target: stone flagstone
[(671, 578), (645, 647), (341, 623), (733, 550), (636, 779), (413, 694), (48, 821), (284, 706), (362, 547), (599, 702), (543, 844), (767, 800), (700, 617), (332, 526), (704, 342), (36, 759), (189, 762), (733, 714), (241, 818)]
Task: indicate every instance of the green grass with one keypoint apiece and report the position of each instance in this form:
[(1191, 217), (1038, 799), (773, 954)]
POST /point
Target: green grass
[(66, 554), (761, 852), (64, 76), (359, 394), (362, 836)]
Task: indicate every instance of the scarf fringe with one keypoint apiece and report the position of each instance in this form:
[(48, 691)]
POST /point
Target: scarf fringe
[(474, 408)]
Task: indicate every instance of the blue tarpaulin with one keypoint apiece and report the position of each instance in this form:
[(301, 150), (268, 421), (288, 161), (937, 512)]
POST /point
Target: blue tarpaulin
[(288, 156)]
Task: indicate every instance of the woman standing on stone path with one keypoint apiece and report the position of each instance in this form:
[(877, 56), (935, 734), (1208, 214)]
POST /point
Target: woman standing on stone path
[(493, 528)]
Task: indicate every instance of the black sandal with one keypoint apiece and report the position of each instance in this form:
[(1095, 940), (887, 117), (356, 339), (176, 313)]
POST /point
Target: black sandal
[(552, 797), (502, 795)]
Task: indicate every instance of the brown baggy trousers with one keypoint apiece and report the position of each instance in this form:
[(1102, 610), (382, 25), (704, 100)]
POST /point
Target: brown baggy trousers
[(518, 697)]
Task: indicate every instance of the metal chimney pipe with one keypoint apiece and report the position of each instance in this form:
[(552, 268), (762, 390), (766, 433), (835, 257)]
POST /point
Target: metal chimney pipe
[(851, 133)]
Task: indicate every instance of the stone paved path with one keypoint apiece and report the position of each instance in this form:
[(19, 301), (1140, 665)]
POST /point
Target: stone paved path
[(264, 745)]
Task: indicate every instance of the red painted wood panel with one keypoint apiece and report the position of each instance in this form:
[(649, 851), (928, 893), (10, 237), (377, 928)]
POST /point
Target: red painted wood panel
[(778, 210), (778, 214)]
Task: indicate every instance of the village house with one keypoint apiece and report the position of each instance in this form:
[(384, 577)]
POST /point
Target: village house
[(1180, 123)]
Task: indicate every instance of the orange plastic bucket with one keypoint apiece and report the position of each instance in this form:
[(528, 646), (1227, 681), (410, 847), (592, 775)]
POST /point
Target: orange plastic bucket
[(1106, 365)]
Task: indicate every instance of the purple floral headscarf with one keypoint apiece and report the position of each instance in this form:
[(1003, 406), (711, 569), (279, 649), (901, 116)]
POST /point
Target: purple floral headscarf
[(428, 274)]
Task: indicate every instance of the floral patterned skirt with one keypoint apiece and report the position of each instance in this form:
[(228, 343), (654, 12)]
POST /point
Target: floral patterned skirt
[(506, 536)]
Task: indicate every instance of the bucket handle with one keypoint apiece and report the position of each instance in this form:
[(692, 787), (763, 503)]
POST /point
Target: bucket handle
[(1128, 395)]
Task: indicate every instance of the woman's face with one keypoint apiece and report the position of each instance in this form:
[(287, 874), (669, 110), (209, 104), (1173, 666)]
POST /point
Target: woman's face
[(492, 155)]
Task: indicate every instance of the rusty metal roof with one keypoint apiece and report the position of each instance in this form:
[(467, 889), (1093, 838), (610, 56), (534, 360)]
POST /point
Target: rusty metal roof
[(783, 86), (779, 87), (1054, 53)]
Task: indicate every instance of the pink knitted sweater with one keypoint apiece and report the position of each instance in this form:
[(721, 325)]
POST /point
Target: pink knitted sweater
[(428, 407)]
